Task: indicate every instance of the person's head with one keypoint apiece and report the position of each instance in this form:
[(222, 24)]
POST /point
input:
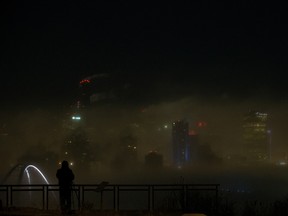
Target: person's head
[(65, 164)]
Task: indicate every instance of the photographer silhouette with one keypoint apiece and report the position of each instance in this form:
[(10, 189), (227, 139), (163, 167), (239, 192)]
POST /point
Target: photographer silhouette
[(65, 178)]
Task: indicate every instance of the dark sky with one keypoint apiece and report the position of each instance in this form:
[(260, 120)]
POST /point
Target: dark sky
[(236, 48)]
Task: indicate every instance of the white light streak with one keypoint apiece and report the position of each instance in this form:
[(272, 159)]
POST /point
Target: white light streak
[(34, 167)]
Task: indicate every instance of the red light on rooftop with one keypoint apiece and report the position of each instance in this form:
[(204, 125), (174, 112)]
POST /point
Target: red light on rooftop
[(201, 124), (84, 81)]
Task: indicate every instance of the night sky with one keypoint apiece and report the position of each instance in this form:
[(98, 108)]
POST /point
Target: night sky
[(237, 49)]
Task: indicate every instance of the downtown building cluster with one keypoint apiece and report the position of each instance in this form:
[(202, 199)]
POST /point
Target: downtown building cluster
[(186, 143)]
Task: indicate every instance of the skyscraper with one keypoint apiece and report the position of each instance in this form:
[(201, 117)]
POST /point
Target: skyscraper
[(180, 143), (103, 88), (255, 136), (96, 88)]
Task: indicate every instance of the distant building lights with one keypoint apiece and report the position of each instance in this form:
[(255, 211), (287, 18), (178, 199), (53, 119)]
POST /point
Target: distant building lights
[(165, 126), (261, 114), (282, 163), (76, 118)]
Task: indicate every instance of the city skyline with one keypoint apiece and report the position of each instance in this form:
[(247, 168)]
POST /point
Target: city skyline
[(201, 61)]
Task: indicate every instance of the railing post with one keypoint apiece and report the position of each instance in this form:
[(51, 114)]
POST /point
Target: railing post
[(149, 198), (7, 196), (114, 197), (185, 197), (47, 197), (11, 195), (118, 195), (217, 199), (82, 195), (152, 198), (43, 197), (182, 196), (78, 197)]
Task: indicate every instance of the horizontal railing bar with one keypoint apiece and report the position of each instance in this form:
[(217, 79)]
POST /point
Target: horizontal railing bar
[(198, 189), (110, 185), (136, 190), (98, 190), (27, 189)]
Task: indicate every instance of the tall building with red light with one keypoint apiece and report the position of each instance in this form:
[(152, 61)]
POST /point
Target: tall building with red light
[(95, 88), (101, 88)]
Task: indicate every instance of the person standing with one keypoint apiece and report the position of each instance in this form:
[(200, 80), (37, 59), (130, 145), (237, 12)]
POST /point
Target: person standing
[(65, 178)]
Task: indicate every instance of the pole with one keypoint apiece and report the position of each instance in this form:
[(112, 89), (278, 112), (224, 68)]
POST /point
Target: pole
[(270, 144)]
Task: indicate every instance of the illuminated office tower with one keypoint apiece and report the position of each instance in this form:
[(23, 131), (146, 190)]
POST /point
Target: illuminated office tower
[(256, 136), (180, 143)]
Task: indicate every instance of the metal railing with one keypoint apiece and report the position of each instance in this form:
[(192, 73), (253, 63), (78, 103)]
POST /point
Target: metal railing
[(180, 193)]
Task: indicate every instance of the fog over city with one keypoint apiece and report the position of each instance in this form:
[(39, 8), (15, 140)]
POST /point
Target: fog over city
[(31, 132)]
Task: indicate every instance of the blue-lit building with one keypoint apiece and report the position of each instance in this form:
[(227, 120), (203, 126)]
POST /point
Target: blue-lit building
[(181, 147)]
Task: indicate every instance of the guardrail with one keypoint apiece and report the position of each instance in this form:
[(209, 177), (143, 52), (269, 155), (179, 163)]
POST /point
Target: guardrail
[(182, 194)]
